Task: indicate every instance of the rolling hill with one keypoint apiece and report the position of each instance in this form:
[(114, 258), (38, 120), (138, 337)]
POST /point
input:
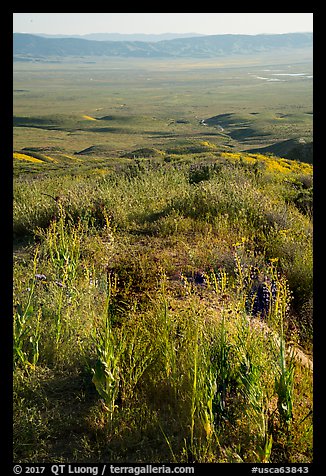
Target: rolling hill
[(295, 149), (26, 46)]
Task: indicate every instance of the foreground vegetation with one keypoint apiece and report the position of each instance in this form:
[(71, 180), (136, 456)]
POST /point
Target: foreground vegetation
[(162, 272), (138, 334)]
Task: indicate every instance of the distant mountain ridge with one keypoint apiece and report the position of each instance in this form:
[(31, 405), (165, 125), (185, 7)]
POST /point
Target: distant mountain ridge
[(125, 36), (26, 46)]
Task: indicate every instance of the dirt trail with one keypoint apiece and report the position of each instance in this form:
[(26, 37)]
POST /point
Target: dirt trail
[(299, 355)]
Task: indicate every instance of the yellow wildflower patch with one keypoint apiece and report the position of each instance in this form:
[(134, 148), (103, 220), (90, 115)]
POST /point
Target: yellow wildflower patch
[(29, 158), (206, 143), (273, 164), (232, 155), (100, 171), (250, 159), (89, 118), (66, 156), (277, 166), (50, 158)]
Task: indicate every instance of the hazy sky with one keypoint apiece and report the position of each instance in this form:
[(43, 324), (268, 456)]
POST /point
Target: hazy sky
[(205, 23)]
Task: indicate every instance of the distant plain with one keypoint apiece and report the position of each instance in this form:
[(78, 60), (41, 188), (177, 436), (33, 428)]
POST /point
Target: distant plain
[(162, 103)]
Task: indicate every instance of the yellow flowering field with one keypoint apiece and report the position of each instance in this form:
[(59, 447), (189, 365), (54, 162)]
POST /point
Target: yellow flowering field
[(273, 164), (89, 118), (19, 156), (50, 158)]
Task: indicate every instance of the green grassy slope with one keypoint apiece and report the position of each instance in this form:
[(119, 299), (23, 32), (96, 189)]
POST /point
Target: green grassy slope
[(162, 272), (150, 272)]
